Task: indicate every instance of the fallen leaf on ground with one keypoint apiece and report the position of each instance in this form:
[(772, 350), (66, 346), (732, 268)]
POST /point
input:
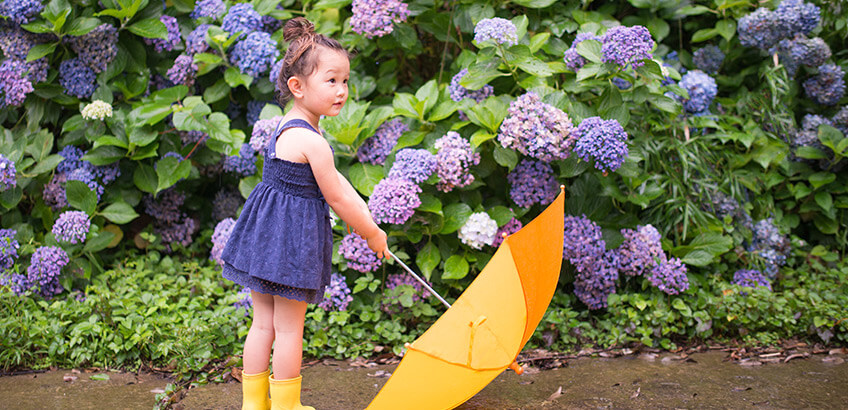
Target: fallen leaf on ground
[(236, 372), (379, 373), (100, 376), (795, 356), (69, 378), (833, 360), (556, 394), (841, 350), (636, 393), (157, 391)]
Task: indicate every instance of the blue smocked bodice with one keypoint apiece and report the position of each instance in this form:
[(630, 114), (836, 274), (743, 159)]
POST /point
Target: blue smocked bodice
[(293, 178)]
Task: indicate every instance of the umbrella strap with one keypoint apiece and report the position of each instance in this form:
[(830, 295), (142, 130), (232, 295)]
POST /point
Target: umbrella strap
[(418, 278)]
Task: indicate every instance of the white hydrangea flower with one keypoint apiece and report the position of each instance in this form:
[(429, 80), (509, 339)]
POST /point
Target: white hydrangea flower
[(479, 230), (98, 110)]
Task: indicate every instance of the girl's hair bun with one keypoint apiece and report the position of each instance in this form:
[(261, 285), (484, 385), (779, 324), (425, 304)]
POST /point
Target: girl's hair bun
[(296, 28)]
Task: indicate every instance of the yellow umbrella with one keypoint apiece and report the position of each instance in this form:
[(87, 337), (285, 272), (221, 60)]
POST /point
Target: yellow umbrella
[(485, 329)]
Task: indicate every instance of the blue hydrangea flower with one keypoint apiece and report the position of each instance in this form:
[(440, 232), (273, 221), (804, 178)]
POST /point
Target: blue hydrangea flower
[(626, 46), (165, 207), (97, 48), (501, 31), (176, 233), (596, 280), (242, 18), (376, 148), (573, 60), (769, 245), (270, 24), (244, 163), (479, 229), (14, 84), (44, 270), (245, 301), (750, 278), (412, 164), (396, 283), (8, 249), (797, 17), (394, 200), (511, 227), (621, 83), (799, 50), (640, 251), (37, 70), (840, 120), (183, 70), (458, 92), (702, 90), (21, 11), (71, 161), (213, 9), (532, 182), (192, 137), (254, 109), (670, 276), (759, 29), (275, 72), (71, 227), (537, 129), (226, 204), (354, 249), (7, 173), (263, 132), (196, 40), (173, 40), (53, 192), (255, 54), (582, 241), (603, 141), (454, 160), (376, 18), (220, 236), (828, 87), (708, 59), (337, 295), (77, 78)]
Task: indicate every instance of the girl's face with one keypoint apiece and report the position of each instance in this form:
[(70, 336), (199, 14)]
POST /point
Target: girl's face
[(325, 90)]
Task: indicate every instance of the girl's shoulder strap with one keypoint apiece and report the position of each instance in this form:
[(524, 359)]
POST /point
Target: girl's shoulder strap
[(282, 126)]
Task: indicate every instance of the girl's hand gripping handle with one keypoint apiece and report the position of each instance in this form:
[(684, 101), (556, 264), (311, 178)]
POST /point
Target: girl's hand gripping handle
[(377, 243)]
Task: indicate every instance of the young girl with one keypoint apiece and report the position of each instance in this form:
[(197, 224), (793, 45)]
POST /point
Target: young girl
[(281, 244)]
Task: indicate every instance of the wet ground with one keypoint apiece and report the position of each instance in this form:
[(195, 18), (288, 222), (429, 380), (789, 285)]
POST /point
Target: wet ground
[(701, 380)]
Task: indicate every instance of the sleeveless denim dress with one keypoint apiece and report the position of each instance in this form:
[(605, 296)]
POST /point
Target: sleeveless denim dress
[(282, 243)]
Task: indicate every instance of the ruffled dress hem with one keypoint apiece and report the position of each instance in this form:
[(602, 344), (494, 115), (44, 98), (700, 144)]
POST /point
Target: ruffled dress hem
[(271, 288)]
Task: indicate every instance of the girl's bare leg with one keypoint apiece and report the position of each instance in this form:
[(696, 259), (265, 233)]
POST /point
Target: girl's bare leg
[(288, 341), (260, 337)]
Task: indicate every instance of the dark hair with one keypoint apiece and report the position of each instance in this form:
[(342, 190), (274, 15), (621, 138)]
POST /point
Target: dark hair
[(300, 58)]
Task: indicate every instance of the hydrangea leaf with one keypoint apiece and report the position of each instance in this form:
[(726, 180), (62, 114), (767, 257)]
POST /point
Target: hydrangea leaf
[(83, 25), (216, 92), (104, 155), (428, 258), (40, 50), (145, 178), (534, 4), (590, 50), (455, 216), (119, 213), (364, 177), (234, 78), (149, 28), (246, 185), (456, 267), (726, 28), (80, 196), (98, 242)]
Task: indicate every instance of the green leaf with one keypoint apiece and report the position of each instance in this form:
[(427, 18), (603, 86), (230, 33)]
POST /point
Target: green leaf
[(481, 74), (235, 78), (169, 170), (80, 196), (119, 213), (145, 178), (269, 111), (40, 50), (809, 152), (46, 165), (480, 136), (429, 93), (100, 376), (149, 28), (216, 92), (825, 224), (218, 128), (455, 216), (364, 177), (820, 179), (698, 257), (430, 203), (534, 4), (104, 155), (682, 307), (98, 241), (500, 214), (825, 200), (443, 110), (246, 185), (456, 267), (590, 50), (404, 105), (538, 41), (427, 259), (726, 28), (505, 157), (704, 35), (536, 67), (81, 26)]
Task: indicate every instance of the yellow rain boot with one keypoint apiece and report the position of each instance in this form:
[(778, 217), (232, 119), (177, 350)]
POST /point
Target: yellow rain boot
[(254, 388), (285, 394)]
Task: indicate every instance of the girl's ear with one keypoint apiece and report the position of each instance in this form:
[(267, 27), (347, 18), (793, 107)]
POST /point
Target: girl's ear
[(295, 86)]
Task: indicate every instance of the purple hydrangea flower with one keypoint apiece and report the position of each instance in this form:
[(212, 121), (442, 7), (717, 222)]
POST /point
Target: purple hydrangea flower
[(220, 236), (708, 59), (213, 9), (108, 173), (176, 233), (21, 11), (582, 241), (77, 78), (270, 23), (394, 200), (802, 50), (621, 83), (14, 84), (245, 301), (44, 270), (15, 42), (511, 227), (412, 164), (840, 120), (37, 70), (183, 70), (501, 31), (242, 18), (336, 295), (71, 161), (173, 40), (828, 87), (97, 48), (275, 72), (573, 60), (357, 253), (375, 18), (255, 54), (532, 182), (244, 163), (537, 129), (750, 278), (454, 160), (8, 249), (263, 132), (702, 90), (196, 40), (480, 229), (796, 16), (7, 174), (770, 245), (226, 204), (71, 227), (596, 280), (165, 207), (626, 46), (391, 303), (53, 192), (86, 176), (603, 141), (670, 276), (640, 251), (192, 137), (254, 109), (759, 29), (458, 92), (376, 148)]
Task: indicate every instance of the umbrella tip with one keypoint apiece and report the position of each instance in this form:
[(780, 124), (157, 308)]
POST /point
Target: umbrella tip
[(562, 187), (503, 235)]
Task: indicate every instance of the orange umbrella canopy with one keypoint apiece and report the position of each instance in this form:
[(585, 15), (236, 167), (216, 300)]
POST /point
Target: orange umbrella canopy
[(488, 325)]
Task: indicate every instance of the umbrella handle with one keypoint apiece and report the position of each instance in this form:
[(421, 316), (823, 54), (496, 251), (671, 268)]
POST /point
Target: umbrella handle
[(418, 278)]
